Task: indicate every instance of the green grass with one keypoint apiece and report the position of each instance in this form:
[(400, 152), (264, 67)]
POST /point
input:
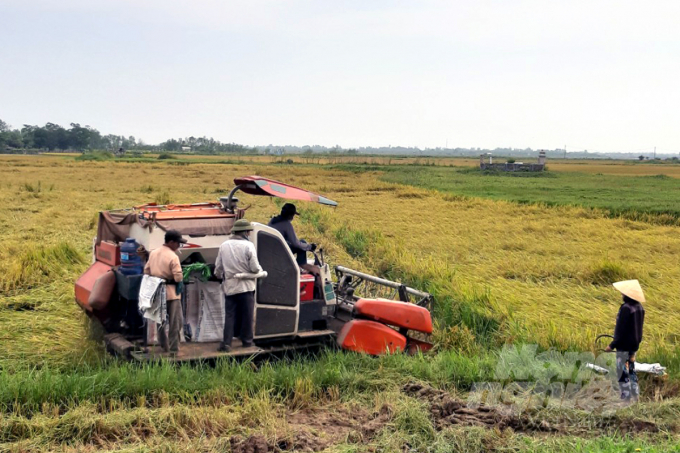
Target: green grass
[(604, 444), (27, 391), (647, 198), (96, 156), (109, 426), (122, 405), (190, 408)]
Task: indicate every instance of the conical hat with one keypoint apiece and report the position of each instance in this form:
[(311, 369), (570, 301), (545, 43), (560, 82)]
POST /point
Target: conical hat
[(631, 288)]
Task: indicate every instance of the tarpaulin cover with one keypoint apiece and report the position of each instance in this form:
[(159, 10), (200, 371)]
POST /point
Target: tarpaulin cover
[(115, 226), (198, 227), (192, 308), (211, 312)]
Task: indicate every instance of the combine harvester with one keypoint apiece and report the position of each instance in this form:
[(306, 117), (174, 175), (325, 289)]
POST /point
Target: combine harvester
[(293, 309)]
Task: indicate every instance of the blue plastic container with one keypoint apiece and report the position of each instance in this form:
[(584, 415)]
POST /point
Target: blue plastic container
[(130, 262)]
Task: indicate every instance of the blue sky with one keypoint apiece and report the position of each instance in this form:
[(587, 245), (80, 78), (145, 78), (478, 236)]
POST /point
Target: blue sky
[(596, 75)]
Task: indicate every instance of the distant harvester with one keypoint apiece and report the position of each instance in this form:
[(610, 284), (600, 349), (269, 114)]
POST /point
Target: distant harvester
[(511, 166)]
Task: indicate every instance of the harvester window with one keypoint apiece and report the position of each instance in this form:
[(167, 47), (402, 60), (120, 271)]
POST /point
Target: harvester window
[(281, 285)]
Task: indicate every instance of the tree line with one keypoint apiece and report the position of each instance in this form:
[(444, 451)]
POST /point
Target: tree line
[(53, 137), (205, 145)]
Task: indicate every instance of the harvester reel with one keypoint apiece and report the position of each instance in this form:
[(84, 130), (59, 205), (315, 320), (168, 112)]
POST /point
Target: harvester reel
[(352, 285)]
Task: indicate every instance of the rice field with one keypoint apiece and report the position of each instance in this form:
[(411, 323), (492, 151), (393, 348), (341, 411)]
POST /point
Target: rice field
[(595, 167), (543, 272), (587, 166), (652, 199), (502, 272)]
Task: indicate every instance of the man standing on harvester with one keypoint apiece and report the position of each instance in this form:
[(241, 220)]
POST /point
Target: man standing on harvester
[(283, 223), (628, 336), (238, 267), (163, 262)]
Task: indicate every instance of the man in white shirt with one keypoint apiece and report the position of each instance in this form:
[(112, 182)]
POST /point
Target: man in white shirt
[(237, 255)]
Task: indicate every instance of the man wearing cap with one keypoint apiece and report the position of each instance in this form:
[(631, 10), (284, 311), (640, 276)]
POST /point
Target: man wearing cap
[(237, 256), (163, 262), (283, 223), (628, 336)]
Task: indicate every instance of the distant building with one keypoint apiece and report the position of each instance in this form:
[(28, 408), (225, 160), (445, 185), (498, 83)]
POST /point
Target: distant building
[(186, 148), (511, 166)]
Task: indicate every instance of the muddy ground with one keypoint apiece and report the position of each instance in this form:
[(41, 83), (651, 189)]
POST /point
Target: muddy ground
[(313, 430), (447, 411)]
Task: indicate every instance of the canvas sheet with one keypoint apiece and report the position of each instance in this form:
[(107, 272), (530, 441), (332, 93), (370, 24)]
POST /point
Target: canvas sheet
[(211, 312), (192, 308), (115, 226)]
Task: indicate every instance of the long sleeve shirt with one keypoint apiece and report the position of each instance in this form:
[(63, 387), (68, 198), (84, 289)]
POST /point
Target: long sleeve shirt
[(628, 331), (164, 263), (285, 227), (237, 255)]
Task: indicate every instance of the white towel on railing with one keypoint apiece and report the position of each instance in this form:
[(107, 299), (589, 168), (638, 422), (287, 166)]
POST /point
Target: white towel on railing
[(152, 299)]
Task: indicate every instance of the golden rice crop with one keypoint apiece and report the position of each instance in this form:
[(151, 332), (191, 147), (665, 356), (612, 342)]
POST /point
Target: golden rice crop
[(549, 270), (590, 166), (546, 272)]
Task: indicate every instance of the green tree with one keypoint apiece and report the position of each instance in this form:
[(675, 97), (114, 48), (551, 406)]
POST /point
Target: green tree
[(4, 134), (13, 139), (79, 137), (28, 136)]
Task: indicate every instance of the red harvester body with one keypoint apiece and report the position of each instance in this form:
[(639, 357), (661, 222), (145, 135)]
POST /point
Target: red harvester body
[(293, 309)]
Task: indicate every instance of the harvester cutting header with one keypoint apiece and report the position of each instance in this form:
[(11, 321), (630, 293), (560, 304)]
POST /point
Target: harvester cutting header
[(297, 303)]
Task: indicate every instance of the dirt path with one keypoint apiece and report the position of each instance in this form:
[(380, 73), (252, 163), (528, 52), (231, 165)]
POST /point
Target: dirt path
[(315, 429)]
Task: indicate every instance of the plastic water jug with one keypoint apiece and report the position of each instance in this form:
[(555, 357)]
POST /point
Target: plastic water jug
[(130, 262)]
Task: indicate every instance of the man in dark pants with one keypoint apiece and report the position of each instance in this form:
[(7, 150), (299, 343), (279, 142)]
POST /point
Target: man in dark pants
[(238, 267), (163, 262), (283, 223), (628, 336)]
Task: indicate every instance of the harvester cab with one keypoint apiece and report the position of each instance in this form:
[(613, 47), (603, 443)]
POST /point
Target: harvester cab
[(293, 309)]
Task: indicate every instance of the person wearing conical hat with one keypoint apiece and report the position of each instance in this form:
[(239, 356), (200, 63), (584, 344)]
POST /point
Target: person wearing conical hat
[(237, 255), (628, 336)]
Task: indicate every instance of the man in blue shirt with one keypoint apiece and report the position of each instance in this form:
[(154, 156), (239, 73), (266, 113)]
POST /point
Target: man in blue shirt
[(283, 223)]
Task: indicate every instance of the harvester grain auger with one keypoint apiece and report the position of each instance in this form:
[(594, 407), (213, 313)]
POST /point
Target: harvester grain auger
[(293, 309)]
